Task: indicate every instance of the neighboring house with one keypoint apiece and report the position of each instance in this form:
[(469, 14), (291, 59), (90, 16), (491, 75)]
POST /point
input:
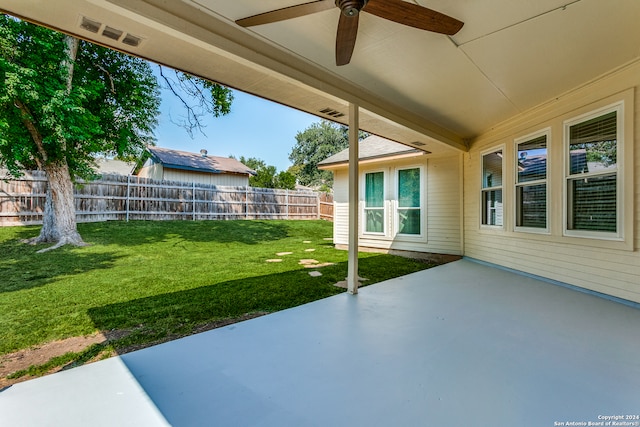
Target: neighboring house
[(114, 167), (173, 165), (408, 200)]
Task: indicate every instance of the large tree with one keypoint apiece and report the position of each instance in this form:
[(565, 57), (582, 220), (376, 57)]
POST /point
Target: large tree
[(62, 102), (267, 176), (314, 144)]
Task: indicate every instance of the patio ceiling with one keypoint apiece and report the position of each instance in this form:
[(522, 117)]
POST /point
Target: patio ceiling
[(413, 86)]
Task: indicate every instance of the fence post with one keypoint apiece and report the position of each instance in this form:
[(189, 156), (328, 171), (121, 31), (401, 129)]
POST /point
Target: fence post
[(246, 202), (286, 200), (127, 200), (193, 198), (319, 205)]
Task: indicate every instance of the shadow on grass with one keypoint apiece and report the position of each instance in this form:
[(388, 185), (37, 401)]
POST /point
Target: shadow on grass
[(177, 312), (153, 319), (21, 268), (135, 233)]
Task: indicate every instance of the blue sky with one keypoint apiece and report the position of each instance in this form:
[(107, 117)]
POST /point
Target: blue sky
[(254, 128)]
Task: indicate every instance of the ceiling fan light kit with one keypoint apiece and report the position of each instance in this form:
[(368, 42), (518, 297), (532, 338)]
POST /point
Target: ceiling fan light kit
[(397, 11), (351, 8)]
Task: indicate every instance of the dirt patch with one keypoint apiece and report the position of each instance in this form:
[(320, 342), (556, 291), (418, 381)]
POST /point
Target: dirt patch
[(10, 363), (39, 355)]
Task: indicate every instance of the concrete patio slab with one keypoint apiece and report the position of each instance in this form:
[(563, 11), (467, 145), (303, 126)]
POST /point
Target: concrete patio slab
[(459, 344)]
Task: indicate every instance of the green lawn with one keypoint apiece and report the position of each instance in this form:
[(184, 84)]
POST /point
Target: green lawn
[(159, 280)]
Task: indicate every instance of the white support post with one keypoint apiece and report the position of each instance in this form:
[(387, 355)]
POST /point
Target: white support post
[(352, 267)]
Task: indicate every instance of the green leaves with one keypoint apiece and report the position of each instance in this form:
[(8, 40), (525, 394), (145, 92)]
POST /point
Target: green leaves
[(112, 106), (314, 144)]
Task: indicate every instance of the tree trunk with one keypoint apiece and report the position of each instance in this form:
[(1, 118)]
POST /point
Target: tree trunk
[(59, 218)]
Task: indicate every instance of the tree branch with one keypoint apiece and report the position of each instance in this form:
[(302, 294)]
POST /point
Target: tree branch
[(192, 122), (27, 119), (113, 87), (72, 52)]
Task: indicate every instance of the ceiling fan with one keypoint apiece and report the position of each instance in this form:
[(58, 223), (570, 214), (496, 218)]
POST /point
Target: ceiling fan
[(394, 10)]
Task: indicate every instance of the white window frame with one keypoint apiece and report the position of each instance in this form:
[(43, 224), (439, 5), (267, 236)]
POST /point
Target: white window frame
[(397, 207), (500, 148), (618, 235), (385, 211), (521, 140)]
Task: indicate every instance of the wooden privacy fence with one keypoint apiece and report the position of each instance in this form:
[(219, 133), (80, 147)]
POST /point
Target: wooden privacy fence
[(116, 197)]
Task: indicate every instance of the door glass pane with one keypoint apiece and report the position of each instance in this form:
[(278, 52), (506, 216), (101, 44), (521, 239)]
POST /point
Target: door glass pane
[(374, 190), (409, 221), (375, 220), (409, 188)]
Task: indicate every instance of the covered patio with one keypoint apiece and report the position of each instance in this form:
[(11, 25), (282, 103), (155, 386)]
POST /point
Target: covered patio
[(461, 344)]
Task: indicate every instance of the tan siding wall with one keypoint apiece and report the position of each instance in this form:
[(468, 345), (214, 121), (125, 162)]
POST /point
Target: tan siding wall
[(206, 178), (442, 184), (152, 172), (604, 266)]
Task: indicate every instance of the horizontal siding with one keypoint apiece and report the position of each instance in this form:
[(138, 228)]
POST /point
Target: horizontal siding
[(442, 211), (233, 180), (606, 267), (340, 223)]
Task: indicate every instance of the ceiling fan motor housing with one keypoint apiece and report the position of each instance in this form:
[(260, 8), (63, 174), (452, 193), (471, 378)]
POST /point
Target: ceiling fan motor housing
[(351, 8)]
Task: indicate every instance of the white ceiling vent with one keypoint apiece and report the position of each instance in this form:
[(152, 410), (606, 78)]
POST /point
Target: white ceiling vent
[(121, 36)]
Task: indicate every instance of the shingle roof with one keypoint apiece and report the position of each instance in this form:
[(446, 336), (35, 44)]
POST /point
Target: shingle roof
[(372, 147), (197, 162)]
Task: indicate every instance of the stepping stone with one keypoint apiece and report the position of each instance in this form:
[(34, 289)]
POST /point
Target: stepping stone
[(315, 274), (306, 241), (325, 264), (328, 238), (274, 260), (284, 253), (308, 262), (309, 250)]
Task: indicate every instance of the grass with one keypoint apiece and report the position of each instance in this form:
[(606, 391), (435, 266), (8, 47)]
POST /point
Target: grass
[(160, 280)]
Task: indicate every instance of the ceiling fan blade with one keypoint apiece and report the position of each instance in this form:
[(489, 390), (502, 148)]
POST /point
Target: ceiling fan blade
[(287, 13), (414, 16), (346, 38)]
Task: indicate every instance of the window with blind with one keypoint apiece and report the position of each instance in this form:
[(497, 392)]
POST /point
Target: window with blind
[(409, 196), (374, 202), (492, 209), (531, 182), (592, 170)]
